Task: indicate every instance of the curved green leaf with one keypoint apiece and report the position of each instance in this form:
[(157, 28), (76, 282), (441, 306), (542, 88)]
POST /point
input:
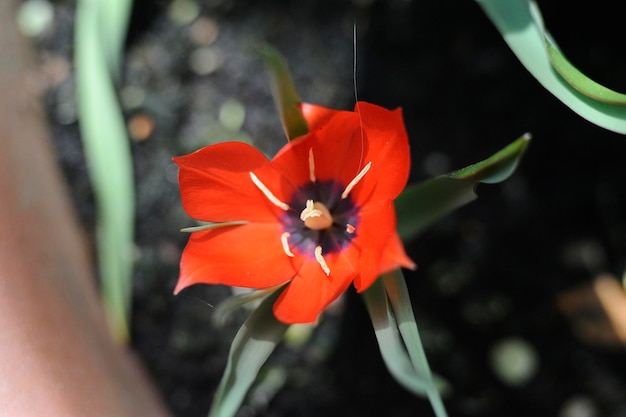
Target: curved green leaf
[(112, 24), (392, 348), (422, 204), (108, 155), (521, 25), (398, 294), (578, 80), (255, 341), (285, 94), (499, 166)]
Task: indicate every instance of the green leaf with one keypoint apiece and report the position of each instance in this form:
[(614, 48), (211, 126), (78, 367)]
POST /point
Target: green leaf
[(255, 341), (234, 302), (578, 80), (107, 151), (113, 17), (398, 294), (424, 203), (521, 25), (214, 225), (285, 94), (392, 348)]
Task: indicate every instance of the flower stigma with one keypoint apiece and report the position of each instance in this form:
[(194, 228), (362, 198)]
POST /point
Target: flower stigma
[(326, 225), (316, 216)]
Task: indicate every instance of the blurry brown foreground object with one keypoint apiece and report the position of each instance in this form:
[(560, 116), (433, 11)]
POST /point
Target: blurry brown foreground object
[(56, 357), (597, 312)]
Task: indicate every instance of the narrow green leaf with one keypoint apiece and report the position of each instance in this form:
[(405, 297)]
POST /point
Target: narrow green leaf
[(396, 290), (521, 25), (107, 151), (499, 166), (213, 225), (578, 80), (255, 341), (398, 294), (422, 204), (113, 17), (285, 94), (392, 348)]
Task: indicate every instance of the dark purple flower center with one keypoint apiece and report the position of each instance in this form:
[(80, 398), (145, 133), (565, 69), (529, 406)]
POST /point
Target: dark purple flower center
[(345, 218)]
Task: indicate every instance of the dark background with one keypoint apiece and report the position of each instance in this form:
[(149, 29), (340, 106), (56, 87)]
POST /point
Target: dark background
[(492, 271)]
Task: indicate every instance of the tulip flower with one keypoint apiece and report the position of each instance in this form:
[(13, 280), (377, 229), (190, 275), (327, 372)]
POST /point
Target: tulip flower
[(313, 220)]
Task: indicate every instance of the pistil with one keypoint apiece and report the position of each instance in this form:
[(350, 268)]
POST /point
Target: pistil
[(316, 216)]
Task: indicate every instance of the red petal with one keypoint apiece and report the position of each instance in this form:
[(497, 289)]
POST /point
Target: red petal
[(376, 225), (336, 147), (316, 116), (375, 249), (244, 256), (311, 291), (215, 184), (341, 149), (388, 149), (394, 256)]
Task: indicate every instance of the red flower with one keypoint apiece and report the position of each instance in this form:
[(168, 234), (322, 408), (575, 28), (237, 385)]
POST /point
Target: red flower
[(318, 216)]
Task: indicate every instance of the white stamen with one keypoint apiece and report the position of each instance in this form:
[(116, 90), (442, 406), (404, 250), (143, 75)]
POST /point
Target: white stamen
[(350, 229), (311, 166), (271, 197), (285, 242), (310, 211), (320, 259), (356, 180)]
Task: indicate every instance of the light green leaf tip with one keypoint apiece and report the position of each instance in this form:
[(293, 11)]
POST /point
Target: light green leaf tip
[(422, 204), (521, 25), (285, 94), (499, 166), (255, 341)]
